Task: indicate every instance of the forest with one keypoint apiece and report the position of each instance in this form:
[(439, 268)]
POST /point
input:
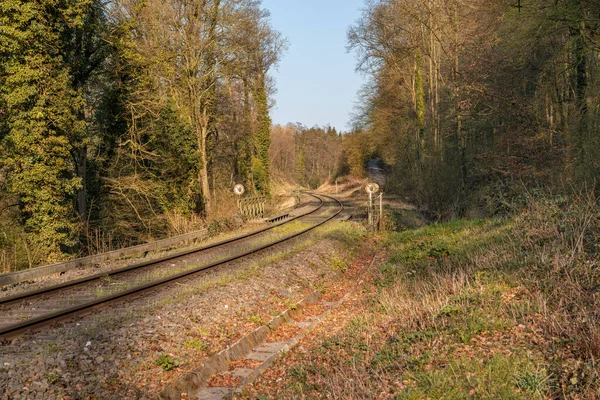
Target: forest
[(127, 120), (123, 121), (472, 103)]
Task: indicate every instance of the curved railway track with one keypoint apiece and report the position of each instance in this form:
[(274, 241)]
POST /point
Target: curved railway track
[(34, 309)]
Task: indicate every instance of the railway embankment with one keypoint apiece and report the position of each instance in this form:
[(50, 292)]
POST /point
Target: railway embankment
[(135, 349)]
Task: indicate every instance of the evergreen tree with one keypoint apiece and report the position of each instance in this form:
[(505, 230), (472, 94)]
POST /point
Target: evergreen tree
[(260, 163), (43, 116)]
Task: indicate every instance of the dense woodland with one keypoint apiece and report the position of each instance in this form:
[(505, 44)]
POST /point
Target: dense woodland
[(471, 102), (126, 120)]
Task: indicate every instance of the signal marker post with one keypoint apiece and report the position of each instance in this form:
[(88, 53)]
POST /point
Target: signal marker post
[(380, 209), (371, 188), (239, 190)]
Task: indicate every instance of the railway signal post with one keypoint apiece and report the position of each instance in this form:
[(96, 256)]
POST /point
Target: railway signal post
[(371, 188), (239, 190)]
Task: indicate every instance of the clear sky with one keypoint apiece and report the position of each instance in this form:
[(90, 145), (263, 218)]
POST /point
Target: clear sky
[(316, 82)]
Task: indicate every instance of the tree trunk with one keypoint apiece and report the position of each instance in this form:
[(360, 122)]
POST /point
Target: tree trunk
[(203, 171), (461, 140), (82, 191), (581, 102)]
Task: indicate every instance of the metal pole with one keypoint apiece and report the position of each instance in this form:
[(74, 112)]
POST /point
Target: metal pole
[(380, 210), (370, 208)]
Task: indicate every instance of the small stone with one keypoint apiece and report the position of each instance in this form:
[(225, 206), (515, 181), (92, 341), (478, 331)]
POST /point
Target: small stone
[(113, 376), (99, 360)]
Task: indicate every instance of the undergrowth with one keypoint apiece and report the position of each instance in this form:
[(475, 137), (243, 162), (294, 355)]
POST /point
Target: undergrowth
[(496, 308)]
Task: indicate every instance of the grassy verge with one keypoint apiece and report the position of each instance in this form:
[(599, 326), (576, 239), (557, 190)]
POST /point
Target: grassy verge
[(469, 309)]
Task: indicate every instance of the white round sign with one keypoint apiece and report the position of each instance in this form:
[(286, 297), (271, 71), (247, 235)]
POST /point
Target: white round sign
[(239, 189), (372, 188)]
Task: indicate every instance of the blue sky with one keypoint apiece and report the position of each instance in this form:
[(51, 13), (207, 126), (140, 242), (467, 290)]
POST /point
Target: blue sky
[(316, 82)]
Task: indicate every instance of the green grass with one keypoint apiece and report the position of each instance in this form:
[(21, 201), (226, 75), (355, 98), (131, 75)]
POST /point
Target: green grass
[(257, 319), (166, 362), (498, 377), (339, 264), (196, 344), (52, 377), (51, 348)]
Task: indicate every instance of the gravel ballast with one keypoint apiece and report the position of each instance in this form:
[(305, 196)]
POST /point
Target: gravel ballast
[(134, 349)]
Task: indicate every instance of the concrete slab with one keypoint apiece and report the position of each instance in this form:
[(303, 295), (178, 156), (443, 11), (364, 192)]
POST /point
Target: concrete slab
[(259, 356), (209, 393), (267, 351), (270, 347), (303, 324), (242, 372), (250, 347)]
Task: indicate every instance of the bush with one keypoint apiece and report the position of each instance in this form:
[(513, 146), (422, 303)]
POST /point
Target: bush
[(219, 226)]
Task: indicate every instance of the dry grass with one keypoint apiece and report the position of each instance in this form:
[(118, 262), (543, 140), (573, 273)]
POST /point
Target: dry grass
[(469, 309)]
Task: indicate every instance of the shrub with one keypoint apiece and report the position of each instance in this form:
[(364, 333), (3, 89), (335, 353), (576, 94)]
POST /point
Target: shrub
[(166, 362)]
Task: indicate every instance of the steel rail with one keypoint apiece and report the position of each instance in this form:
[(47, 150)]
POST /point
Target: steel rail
[(118, 271), (46, 318)]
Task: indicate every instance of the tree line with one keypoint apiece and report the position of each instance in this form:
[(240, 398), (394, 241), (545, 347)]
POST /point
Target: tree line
[(305, 156), (123, 120), (469, 101)]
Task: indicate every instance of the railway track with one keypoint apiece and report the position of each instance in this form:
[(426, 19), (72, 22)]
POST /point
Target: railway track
[(34, 309)]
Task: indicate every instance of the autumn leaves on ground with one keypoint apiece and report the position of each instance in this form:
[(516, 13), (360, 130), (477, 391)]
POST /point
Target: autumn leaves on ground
[(497, 308)]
